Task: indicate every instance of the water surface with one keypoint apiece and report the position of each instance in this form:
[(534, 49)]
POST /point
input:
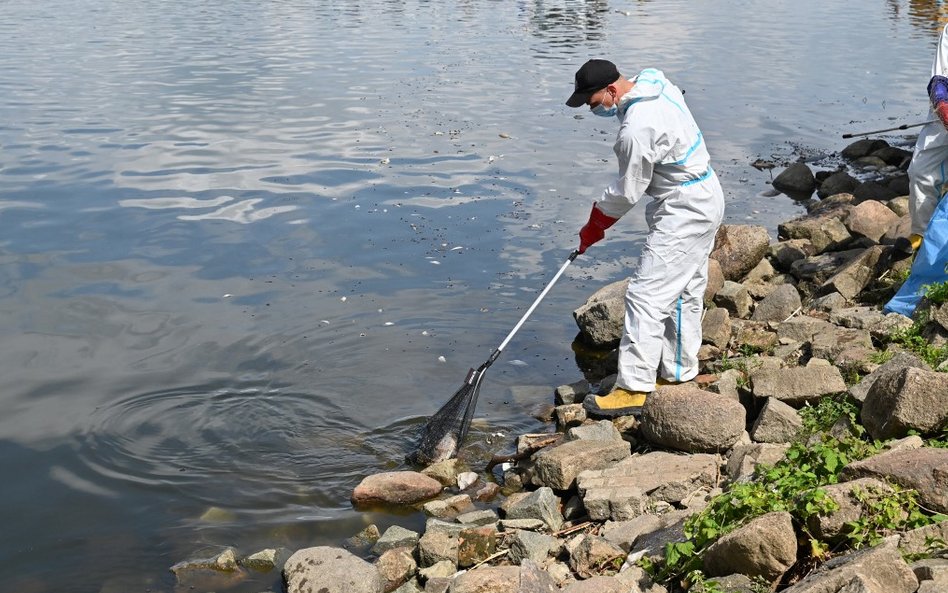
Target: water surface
[(247, 246)]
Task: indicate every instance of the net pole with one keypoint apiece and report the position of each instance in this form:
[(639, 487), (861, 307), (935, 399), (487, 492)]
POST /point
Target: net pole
[(516, 328)]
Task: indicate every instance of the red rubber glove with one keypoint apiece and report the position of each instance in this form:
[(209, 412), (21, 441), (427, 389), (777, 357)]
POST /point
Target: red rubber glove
[(941, 110), (595, 229)]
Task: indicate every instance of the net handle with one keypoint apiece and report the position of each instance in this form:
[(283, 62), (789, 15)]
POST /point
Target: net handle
[(516, 328)]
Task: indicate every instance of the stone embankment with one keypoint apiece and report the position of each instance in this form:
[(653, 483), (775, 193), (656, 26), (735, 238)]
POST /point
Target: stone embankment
[(811, 456)]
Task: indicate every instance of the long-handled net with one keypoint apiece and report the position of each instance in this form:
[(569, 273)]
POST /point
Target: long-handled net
[(443, 434)]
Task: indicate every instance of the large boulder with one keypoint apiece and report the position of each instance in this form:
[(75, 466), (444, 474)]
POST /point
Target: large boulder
[(796, 180), (776, 423), (852, 500), (837, 183), (870, 219), (692, 420), (734, 298), (557, 467), (881, 566), (601, 317), (817, 268), (765, 547), (738, 248), (395, 488), (796, 386), (898, 362), (488, 579), (856, 274), (911, 399), (780, 304), (863, 147), (924, 470), (825, 231), (325, 569), (540, 504)]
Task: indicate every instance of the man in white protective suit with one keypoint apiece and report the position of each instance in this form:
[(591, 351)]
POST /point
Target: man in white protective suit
[(928, 171), (661, 152)]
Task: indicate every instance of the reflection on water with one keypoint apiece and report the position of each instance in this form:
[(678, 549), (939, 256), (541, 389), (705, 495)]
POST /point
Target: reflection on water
[(247, 247)]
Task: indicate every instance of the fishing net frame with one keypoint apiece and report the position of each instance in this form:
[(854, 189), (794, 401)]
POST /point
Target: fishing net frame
[(444, 432)]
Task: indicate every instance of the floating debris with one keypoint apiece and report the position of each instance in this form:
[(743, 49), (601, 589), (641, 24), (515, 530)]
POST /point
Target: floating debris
[(518, 363), (389, 323), (442, 359), (343, 299), (324, 321), (384, 161), (504, 135), (227, 296)]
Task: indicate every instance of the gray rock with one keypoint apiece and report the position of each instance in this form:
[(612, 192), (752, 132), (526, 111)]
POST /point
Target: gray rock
[(764, 547), (715, 280), (777, 423), (896, 363), (856, 274), (784, 253), (828, 345), (540, 504), (796, 386), (738, 248), (478, 518), (797, 180), (830, 204), (825, 231), (488, 579), (557, 467), (534, 546), (734, 298), (569, 415), (744, 459), (395, 488), (857, 317), (395, 537), (837, 183), (603, 430), (622, 492), (716, 327), (600, 318), (819, 268), (900, 206), (850, 498), (782, 302), (925, 470), (266, 560), (870, 219), (573, 393), (893, 155), (692, 421), (439, 543), (863, 147), (801, 329), (476, 544), (396, 567), (533, 579), (870, 190), (762, 272), (449, 508), (325, 569), (882, 564), (593, 552), (922, 540), (443, 569), (828, 303), (906, 400)]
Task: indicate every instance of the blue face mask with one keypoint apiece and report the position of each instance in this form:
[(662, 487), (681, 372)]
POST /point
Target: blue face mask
[(603, 111)]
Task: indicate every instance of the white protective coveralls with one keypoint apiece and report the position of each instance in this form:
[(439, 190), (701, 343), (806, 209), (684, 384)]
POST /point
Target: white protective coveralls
[(927, 172), (662, 153)]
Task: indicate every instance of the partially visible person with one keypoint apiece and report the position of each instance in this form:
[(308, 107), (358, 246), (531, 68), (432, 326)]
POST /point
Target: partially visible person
[(928, 171), (661, 153)]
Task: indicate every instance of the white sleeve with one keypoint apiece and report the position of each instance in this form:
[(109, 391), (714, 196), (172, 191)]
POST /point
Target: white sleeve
[(635, 151)]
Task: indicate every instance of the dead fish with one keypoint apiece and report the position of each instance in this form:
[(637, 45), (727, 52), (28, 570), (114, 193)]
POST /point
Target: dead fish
[(445, 449)]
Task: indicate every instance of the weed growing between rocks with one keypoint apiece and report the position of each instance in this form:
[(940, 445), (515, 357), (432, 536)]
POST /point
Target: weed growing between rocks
[(831, 438)]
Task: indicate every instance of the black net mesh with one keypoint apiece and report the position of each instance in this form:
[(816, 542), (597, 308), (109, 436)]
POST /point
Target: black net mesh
[(442, 435)]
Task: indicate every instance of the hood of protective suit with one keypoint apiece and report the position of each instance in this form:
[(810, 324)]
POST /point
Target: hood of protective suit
[(940, 65), (648, 85)]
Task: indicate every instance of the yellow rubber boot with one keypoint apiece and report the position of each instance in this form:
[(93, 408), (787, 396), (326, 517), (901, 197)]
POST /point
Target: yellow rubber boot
[(908, 246), (663, 382), (619, 402)]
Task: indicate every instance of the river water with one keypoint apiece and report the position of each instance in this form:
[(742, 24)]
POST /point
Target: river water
[(248, 246)]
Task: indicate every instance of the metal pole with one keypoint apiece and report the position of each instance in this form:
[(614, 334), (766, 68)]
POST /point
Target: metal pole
[(902, 127)]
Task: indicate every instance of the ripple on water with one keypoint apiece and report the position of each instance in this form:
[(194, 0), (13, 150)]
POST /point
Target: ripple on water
[(253, 447)]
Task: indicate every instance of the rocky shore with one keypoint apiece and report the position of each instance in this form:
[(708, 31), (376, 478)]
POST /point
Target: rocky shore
[(810, 457)]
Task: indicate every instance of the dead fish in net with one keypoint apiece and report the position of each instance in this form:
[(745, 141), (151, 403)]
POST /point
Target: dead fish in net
[(445, 449)]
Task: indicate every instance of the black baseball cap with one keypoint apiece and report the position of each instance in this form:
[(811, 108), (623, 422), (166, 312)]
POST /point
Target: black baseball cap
[(592, 77)]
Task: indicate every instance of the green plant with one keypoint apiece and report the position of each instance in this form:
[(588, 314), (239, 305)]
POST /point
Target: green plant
[(881, 356), (885, 512), (937, 293), (912, 339)]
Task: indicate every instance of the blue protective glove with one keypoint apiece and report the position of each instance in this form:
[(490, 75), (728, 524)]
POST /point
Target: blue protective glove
[(938, 95)]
